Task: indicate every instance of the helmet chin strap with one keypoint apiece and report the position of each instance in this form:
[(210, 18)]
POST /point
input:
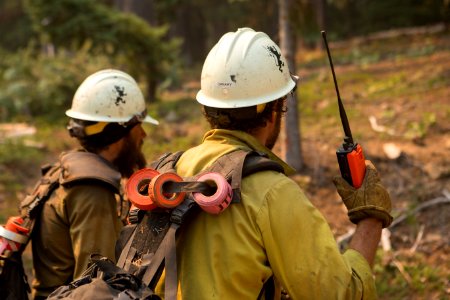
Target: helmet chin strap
[(260, 108), (95, 128)]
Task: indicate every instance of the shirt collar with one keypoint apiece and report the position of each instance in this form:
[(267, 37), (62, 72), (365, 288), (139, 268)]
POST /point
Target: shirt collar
[(243, 140)]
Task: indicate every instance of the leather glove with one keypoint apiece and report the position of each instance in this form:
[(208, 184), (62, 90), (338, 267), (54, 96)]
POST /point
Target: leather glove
[(371, 200)]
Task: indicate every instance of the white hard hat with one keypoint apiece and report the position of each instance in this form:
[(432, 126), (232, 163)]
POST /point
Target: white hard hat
[(244, 68), (109, 96)]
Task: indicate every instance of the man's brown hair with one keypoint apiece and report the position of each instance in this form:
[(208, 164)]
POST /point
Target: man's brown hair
[(243, 119)]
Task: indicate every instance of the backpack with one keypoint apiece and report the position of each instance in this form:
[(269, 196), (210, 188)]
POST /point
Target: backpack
[(18, 230), (147, 245)]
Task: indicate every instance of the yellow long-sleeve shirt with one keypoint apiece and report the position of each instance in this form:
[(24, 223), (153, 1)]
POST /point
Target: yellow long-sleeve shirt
[(275, 230)]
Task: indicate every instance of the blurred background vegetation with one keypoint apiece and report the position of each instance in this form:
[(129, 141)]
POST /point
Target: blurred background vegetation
[(48, 47)]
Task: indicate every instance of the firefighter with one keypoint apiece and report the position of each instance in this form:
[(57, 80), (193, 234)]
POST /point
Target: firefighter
[(274, 237), (81, 216)]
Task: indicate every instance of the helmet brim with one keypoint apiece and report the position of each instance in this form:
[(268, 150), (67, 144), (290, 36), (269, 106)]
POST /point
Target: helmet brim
[(80, 116), (150, 120)]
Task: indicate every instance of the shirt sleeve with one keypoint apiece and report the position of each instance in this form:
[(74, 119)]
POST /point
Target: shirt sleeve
[(303, 253), (94, 223)]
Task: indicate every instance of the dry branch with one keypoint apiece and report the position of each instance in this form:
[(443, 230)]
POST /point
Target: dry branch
[(402, 270), (422, 206), (345, 238), (418, 239)]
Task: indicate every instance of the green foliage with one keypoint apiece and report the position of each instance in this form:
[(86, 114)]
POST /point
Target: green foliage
[(358, 17), (70, 24), (15, 26), (33, 85), (186, 109), (165, 139), (202, 22), (18, 162), (303, 16), (16, 154), (385, 86), (407, 276), (418, 129)]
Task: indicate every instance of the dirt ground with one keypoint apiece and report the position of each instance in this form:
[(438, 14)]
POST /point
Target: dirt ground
[(415, 170), (413, 182)]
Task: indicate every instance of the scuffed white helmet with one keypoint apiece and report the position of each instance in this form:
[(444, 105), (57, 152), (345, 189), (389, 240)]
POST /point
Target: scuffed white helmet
[(244, 68), (109, 96)]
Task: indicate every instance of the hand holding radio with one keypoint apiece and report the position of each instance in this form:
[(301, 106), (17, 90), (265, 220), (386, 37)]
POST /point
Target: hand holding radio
[(359, 187), (371, 200)]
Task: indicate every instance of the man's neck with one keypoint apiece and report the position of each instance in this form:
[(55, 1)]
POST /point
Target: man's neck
[(262, 134), (111, 151)]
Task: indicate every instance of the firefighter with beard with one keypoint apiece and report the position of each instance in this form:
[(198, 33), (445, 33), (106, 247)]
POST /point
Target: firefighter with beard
[(273, 237), (82, 216)]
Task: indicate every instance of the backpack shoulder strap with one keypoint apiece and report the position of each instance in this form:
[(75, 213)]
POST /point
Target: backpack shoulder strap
[(241, 163), (79, 166), (257, 162), (166, 162), (30, 205)]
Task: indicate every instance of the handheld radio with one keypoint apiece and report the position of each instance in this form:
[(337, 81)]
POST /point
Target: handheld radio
[(350, 155)]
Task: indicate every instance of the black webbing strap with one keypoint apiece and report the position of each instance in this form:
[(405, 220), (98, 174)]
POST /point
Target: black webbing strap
[(166, 162), (125, 251), (31, 205), (230, 166), (256, 162), (165, 256), (241, 163), (171, 282)]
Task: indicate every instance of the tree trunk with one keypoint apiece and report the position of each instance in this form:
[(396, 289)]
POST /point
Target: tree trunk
[(151, 89), (190, 25), (290, 133), (319, 6)]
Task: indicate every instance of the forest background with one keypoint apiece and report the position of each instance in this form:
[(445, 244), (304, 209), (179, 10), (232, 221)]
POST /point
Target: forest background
[(392, 60)]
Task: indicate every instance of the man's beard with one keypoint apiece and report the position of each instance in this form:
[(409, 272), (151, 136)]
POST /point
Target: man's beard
[(272, 139), (130, 158)]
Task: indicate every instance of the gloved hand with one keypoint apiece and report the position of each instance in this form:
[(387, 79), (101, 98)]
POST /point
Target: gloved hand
[(371, 200)]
